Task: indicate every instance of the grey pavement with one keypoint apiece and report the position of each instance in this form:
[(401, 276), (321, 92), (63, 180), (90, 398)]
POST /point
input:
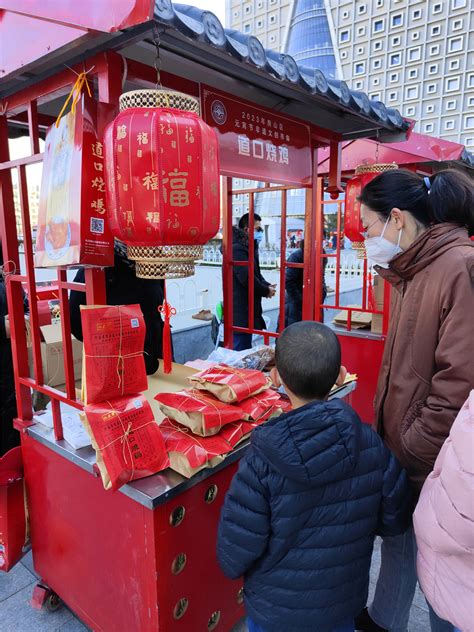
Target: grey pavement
[(16, 614)]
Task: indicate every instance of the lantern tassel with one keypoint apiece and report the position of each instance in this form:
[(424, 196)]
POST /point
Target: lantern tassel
[(371, 295), (167, 311)]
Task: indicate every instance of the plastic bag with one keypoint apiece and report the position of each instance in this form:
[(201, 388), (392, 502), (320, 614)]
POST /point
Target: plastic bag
[(257, 358)]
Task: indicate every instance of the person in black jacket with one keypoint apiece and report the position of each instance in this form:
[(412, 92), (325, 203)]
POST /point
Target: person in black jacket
[(123, 287), (294, 287), (314, 488), (9, 437), (262, 289)]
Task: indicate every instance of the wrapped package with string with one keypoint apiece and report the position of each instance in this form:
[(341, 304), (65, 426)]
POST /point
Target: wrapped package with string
[(201, 412), (229, 384), (72, 221), (113, 363), (127, 440), (190, 453), (263, 406)]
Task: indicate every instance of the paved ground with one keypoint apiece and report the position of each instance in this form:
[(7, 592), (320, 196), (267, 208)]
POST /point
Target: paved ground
[(16, 615)]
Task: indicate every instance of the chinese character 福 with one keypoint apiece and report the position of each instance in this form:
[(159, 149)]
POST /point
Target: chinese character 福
[(150, 181), (179, 195), (142, 138)]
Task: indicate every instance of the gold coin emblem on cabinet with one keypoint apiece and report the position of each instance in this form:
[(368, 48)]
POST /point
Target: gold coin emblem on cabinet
[(214, 620), (177, 516), (211, 494), (179, 563), (180, 608)]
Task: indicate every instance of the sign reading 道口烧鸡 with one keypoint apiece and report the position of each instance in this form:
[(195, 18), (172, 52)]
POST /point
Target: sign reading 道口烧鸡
[(257, 143)]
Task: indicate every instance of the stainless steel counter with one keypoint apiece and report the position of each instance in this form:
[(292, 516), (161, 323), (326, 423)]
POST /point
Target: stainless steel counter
[(157, 489)]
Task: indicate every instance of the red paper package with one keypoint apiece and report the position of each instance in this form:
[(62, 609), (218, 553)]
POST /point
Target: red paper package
[(72, 221), (127, 440), (113, 364), (263, 406), (190, 454), (201, 412), (229, 384), (285, 404), (237, 432)]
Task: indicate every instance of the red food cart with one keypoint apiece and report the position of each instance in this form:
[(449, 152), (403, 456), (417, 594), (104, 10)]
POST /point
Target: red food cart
[(142, 558)]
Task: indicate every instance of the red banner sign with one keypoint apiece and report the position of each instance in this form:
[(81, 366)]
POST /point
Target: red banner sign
[(255, 142)]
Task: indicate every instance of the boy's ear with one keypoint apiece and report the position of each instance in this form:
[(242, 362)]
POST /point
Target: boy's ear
[(342, 376), (275, 376)]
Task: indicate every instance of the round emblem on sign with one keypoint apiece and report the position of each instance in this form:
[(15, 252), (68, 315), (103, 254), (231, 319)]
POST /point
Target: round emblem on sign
[(219, 113)]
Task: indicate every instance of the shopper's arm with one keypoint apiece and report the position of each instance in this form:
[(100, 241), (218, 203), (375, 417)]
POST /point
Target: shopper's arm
[(428, 422)]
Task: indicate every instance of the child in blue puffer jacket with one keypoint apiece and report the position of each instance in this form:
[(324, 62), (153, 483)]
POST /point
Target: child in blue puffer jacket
[(314, 488)]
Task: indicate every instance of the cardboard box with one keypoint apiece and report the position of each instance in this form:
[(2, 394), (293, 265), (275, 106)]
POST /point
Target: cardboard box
[(359, 320), (52, 356), (377, 319)]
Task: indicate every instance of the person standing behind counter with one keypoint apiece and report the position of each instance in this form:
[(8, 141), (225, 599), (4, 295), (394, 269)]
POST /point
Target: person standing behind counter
[(123, 287), (262, 289)]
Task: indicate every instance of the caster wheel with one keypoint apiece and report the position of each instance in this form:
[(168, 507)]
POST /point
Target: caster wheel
[(53, 602)]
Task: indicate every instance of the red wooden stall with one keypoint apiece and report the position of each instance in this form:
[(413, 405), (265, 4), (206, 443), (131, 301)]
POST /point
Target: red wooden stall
[(142, 558)]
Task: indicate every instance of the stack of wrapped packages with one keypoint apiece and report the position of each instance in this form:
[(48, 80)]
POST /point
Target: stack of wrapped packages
[(118, 418), (220, 409)]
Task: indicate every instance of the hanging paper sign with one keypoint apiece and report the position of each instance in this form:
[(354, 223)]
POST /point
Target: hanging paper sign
[(255, 142)]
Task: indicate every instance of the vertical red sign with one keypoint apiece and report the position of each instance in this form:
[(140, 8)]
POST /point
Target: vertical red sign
[(257, 143)]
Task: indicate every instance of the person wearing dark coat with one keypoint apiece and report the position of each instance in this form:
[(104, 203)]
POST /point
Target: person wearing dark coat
[(313, 490), (9, 437), (123, 287), (262, 289), (294, 287)]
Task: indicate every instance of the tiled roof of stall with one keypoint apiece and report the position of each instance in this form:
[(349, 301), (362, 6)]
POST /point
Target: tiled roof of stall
[(204, 26)]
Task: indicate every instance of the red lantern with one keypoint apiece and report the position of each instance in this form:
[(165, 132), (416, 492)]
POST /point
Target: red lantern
[(163, 181), (352, 221)]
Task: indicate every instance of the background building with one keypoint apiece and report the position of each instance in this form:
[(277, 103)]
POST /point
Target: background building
[(414, 55), (266, 19), (310, 39)]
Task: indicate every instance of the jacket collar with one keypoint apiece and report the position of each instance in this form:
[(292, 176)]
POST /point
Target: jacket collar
[(430, 245)]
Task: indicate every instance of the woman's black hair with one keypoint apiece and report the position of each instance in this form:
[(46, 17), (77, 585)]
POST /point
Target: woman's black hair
[(446, 196)]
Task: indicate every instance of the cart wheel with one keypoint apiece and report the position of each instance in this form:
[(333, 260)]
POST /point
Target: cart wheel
[(53, 602)]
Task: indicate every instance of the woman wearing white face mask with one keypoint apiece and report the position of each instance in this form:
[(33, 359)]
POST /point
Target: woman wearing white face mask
[(417, 231)]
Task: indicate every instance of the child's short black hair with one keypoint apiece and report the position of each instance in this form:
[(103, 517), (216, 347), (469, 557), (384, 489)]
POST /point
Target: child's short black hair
[(308, 359)]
